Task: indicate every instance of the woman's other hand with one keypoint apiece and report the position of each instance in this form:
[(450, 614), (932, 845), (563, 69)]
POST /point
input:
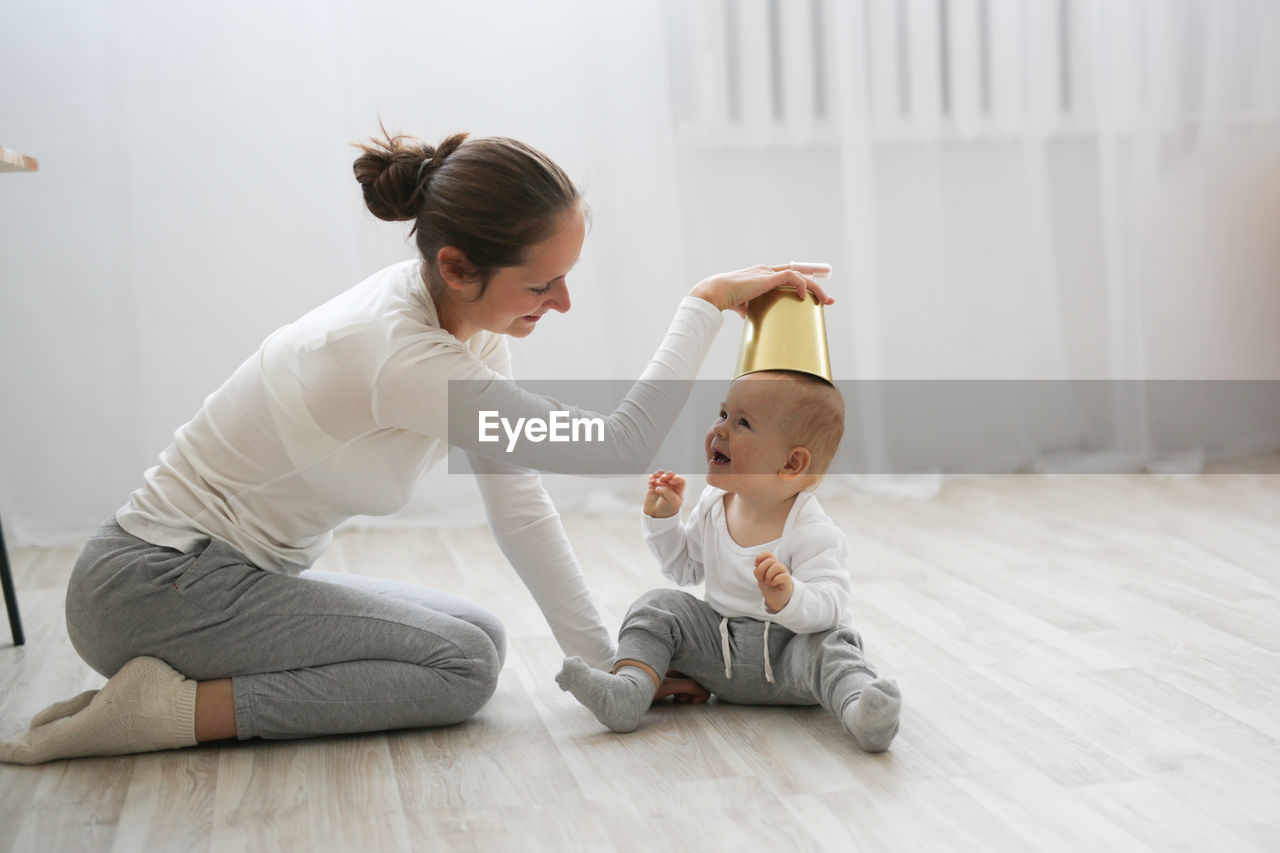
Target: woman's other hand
[(735, 289)]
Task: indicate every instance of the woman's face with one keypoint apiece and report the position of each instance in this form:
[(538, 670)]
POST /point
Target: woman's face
[(517, 297)]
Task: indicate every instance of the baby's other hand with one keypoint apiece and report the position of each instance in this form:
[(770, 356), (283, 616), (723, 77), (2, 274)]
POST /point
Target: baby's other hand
[(665, 494), (774, 580)]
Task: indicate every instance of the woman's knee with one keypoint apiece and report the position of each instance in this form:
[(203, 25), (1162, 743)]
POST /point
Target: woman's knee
[(472, 690), (493, 628)]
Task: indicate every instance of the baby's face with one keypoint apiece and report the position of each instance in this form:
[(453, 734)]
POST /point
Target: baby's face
[(745, 448)]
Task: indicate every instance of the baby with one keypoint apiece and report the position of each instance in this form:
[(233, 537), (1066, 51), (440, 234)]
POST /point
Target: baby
[(773, 626)]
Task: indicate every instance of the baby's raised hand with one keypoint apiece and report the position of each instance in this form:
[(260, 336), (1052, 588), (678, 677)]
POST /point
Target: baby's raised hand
[(665, 494), (774, 580)]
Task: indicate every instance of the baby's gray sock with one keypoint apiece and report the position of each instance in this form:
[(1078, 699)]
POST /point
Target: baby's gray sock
[(872, 718), (617, 700)]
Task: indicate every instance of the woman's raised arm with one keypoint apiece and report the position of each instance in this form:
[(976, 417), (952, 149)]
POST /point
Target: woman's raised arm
[(444, 391)]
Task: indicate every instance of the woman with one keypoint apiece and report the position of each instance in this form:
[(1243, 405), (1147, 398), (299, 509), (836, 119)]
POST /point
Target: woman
[(196, 598)]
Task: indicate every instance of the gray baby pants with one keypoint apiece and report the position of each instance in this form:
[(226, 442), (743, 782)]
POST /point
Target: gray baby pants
[(316, 654), (669, 629)]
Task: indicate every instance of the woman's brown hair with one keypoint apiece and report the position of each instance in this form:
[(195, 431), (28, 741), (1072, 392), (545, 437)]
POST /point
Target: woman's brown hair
[(491, 197)]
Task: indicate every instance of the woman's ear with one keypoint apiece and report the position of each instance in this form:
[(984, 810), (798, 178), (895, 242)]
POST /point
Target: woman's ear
[(455, 269), (797, 463)]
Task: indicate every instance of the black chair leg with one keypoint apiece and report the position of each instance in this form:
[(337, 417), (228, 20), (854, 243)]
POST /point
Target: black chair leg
[(10, 595)]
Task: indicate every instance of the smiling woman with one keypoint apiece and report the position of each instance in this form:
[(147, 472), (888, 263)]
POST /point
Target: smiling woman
[(488, 204), (502, 221), (196, 598), (514, 298)]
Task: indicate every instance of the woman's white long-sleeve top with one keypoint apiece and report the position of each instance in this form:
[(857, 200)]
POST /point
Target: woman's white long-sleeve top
[(340, 413)]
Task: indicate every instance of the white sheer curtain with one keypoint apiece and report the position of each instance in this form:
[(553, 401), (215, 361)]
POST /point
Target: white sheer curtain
[(1010, 189), (1007, 188)]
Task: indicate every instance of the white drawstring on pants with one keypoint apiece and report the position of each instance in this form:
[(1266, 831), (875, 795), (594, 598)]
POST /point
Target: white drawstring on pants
[(728, 657), (724, 647), (768, 665)]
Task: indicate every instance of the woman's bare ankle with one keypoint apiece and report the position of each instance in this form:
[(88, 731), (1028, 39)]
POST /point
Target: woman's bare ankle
[(215, 710)]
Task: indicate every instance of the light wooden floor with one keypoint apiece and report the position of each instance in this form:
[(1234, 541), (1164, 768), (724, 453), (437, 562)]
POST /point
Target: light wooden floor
[(1088, 663)]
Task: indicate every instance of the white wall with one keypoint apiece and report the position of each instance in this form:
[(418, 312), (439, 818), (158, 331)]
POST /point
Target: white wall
[(195, 193)]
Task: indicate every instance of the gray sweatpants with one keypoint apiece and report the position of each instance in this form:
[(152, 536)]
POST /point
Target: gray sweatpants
[(316, 654), (669, 629)]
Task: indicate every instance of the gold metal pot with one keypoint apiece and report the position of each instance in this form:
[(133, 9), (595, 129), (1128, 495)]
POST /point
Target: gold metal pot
[(784, 332)]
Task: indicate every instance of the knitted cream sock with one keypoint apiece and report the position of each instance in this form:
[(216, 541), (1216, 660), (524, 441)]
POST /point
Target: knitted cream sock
[(143, 707), (66, 708), (872, 718), (618, 700)]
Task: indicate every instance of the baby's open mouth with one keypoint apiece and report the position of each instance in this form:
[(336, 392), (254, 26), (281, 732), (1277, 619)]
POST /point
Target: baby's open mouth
[(718, 458)]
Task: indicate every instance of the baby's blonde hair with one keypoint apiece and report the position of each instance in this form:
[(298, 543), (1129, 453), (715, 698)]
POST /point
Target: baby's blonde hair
[(812, 417)]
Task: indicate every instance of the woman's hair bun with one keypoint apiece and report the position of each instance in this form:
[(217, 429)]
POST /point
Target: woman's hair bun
[(491, 198), (393, 171)]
